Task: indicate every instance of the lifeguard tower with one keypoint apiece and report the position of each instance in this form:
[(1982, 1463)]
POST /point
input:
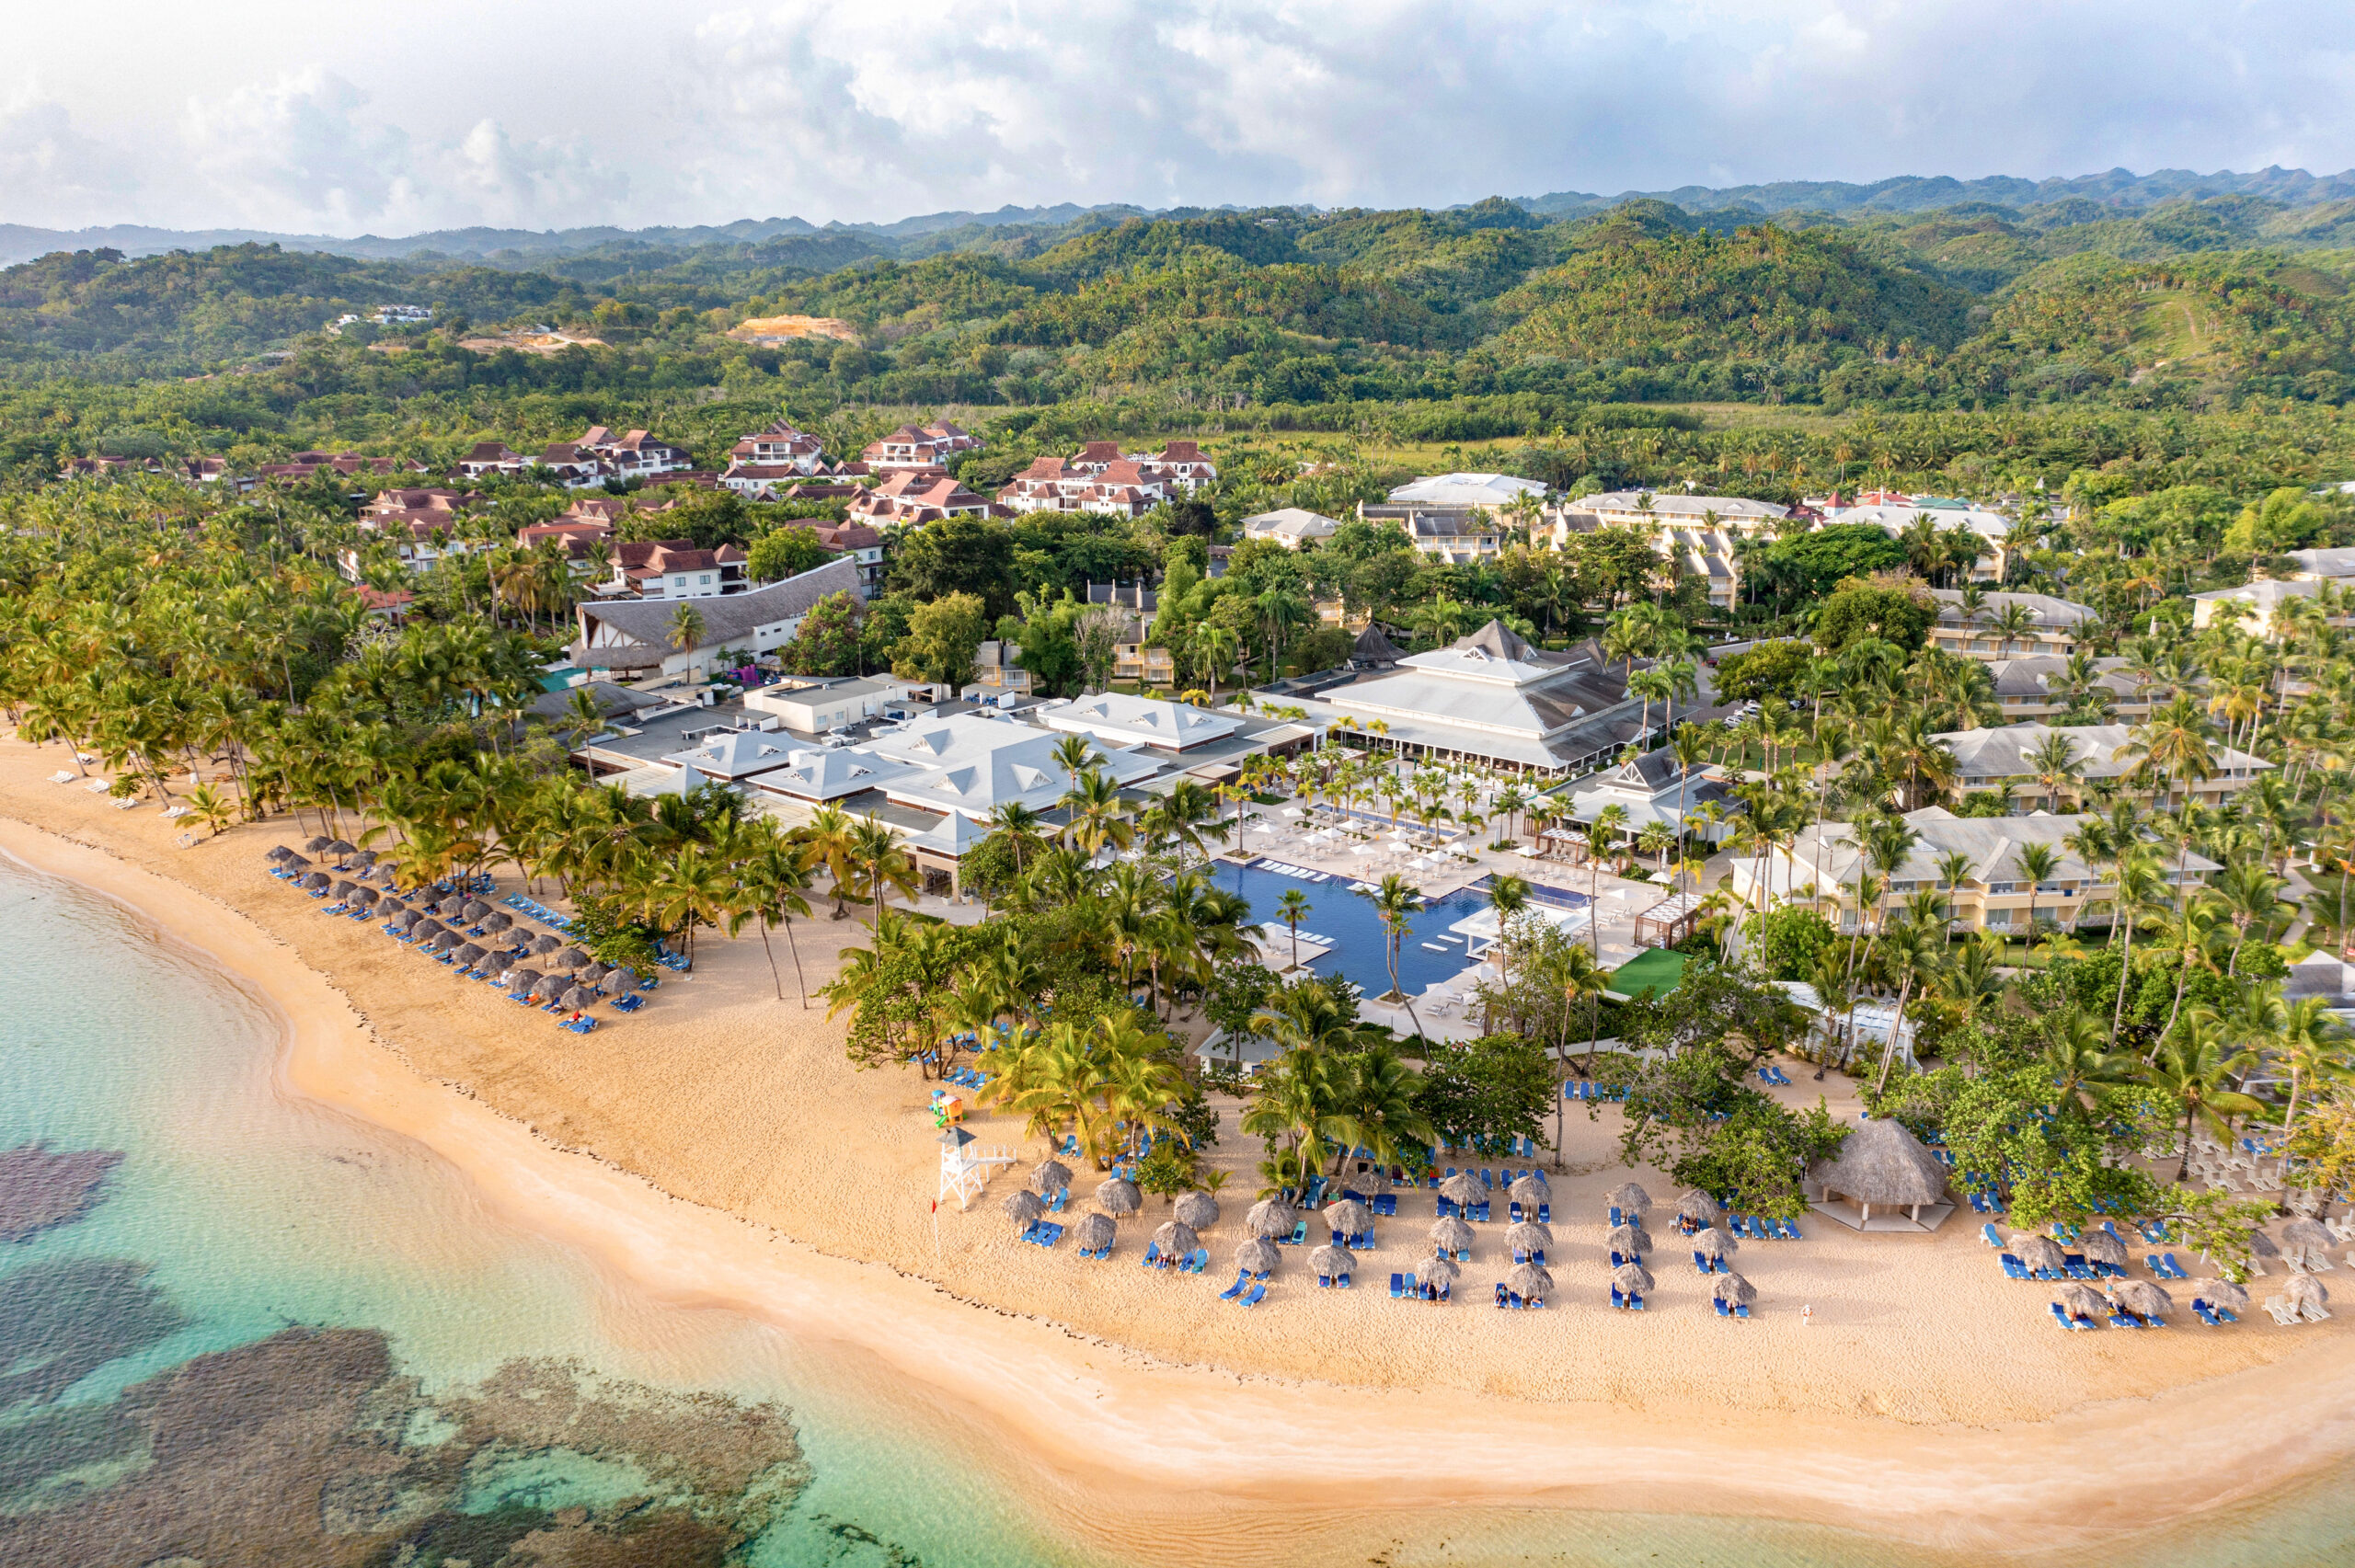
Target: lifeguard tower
[(965, 1165)]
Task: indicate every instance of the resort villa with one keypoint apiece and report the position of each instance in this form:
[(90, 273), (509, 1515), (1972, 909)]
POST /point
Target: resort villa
[(1454, 519), (1290, 526), (2256, 606), (1489, 698), (643, 636), (2007, 625), (2037, 687), (1652, 787), (1822, 866), (1699, 533), (1993, 529), (1988, 759)]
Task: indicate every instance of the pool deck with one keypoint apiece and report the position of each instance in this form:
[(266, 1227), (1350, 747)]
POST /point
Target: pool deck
[(1271, 836)]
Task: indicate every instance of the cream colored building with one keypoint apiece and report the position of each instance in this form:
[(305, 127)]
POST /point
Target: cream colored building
[(2052, 632)]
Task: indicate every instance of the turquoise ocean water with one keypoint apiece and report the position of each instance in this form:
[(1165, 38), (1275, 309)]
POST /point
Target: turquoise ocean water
[(241, 1222)]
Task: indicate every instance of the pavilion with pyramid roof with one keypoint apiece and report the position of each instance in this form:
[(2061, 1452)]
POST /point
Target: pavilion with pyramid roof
[(1489, 698)]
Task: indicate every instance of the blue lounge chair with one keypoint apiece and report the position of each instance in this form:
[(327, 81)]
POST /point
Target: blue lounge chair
[(1242, 1279), (2175, 1269), (2013, 1269), (2063, 1319), (1500, 1295), (2200, 1310), (1253, 1297), (1151, 1258), (1200, 1262), (1987, 1234), (1299, 1237), (1700, 1263), (2123, 1319), (1791, 1231), (1324, 1281), (1049, 1235), (1342, 1281), (1397, 1286), (1742, 1310), (1617, 1299), (1634, 1303), (2226, 1313), (1414, 1292), (1720, 1301)]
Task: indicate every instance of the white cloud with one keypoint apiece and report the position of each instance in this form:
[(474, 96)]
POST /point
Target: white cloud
[(683, 113)]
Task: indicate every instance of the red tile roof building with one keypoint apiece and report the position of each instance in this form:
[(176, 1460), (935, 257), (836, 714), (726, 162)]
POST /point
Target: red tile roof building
[(930, 446)]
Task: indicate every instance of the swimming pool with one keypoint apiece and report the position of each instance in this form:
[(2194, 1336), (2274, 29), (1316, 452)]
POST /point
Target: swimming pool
[(1349, 918)]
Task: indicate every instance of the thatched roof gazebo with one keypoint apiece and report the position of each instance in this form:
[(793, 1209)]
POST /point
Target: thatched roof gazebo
[(1093, 1232), (1440, 1272), (2100, 1246), (2040, 1252), (1257, 1255), (1529, 1282), (1271, 1217), (2143, 1299), (1451, 1235), (1882, 1164), (1697, 1207), (1118, 1198), (1349, 1217), (1175, 1239), (1198, 1210), (2084, 1302), (1024, 1209), (1529, 1191), (1713, 1243)]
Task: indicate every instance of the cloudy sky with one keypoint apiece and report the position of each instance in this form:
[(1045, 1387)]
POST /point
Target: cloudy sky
[(393, 116)]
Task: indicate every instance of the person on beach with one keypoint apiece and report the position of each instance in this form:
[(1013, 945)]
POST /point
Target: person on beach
[(1807, 1314)]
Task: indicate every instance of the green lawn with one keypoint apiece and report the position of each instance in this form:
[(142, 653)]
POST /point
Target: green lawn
[(1656, 972)]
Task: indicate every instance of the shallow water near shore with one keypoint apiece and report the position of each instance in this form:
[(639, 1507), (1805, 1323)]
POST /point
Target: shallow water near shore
[(253, 1249)]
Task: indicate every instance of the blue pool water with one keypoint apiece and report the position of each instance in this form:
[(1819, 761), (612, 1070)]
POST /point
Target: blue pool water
[(1350, 920)]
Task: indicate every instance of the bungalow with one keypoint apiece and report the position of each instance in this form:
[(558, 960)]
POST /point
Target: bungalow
[(1117, 487), (912, 497), (2006, 626), (910, 446), (779, 446), (675, 568), (2258, 607), (1291, 527), (636, 454), (489, 457), (644, 636), (1999, 760)]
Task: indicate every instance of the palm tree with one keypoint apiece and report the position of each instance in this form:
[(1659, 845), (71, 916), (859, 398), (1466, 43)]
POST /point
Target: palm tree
[(1909, 954), (1395, 900), (2055, 764), (685, 628), (1579, 975), (2082, 1065), (773, 874), (2310, 1041), (1020, 825), (2037, 862), (212, 808), (880, 863), (2250, 897), (1096, 816), (2192, 1066), (829, 834), (1509, 896), (1289, 908), (2138, 896)]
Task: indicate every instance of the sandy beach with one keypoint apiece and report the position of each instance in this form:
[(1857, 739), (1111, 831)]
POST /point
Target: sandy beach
[(717, 1148)]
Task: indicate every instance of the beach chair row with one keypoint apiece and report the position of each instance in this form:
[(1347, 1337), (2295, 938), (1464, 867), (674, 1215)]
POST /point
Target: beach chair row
[(1244, 1292), (2119, 1319), (1194, 1262), (1580, 1088), (1406, 1288), (1046, 1233), (1774, 1075)]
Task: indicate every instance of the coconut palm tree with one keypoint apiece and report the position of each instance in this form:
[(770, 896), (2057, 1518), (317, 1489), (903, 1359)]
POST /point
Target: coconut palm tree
[(2036, 863), (1396, 901), (685, 628), (879, 864), (1290, 907), (829, 835), (2193, 1067)]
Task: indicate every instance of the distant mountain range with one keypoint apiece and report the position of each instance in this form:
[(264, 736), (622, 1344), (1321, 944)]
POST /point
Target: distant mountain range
[(2119, 188)]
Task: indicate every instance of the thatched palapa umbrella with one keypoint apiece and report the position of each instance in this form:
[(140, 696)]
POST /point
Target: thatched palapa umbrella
[(451, 908), (1697, 1207), (1093, 1232), (619, 982), (544, 944), (448, 941), (1529, 1191), (2143, 1299), (281, 852), (1349, 1217), (2084, 1302), (1118, 1197), (366, 859), (403, 920), (425, 926), (474, 910), (1629, 1241), (1734, 1290), (1529, 1282), (1442, 1271), (1880, 1163), (364, 897), (1461, 1188), (1257, 1255), (342, 846), (472, 954), (1629, 1198), (1530, 1237), (1198, 1210), (591, 973), (1329, 1261), (316, 882), (316, 843), (1451, 1235), (547, 988), (570, 958), (1372, 1181), (343, 887), (524, 979), (497, 921), (2220, 1293), (2039, 1253), (1631, 1278), (2304, 1290), (2306, 1241), (579, 997), (1023, 1208), (2100, 1246), (1271, 1217), (1175, 1239), (1050, 1176), (2261, 1245), (1713, 1243)]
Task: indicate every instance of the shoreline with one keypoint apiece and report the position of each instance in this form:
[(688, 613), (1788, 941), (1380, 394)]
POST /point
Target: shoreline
[(1120, 1428)]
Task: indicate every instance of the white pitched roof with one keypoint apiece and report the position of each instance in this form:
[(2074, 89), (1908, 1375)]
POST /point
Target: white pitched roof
[(738, 754), (1148, 720), (829, 774), (1466, 490)]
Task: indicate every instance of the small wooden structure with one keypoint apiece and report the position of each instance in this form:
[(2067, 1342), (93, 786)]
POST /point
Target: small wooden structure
[(1668, 921)]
